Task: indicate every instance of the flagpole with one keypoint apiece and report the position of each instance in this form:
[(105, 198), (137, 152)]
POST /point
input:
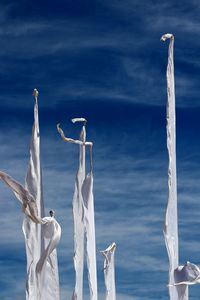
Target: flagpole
[(171, 216)]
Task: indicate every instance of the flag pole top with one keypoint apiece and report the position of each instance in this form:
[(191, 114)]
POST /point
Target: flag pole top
[(35, 93), (166, 36), (110, 248), (75, 120)]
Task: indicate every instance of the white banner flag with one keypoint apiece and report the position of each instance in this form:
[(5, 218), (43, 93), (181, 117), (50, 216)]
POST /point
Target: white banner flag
[(44, 275), (46, 268), (29, 206), (88, 200), (34, 235), (109, 271), (41, 234), (171, 218), (83, 212), (34, 241), (79, 222)]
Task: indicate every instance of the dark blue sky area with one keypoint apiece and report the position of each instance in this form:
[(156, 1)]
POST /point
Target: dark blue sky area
[(102, 60)]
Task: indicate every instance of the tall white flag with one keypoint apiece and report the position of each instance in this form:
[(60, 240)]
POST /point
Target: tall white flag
[(43, 277), (89, 222), (34, 233), (83, 211), (79, 222), (34, 241), (171, 218), (109, 271), (47, 268)]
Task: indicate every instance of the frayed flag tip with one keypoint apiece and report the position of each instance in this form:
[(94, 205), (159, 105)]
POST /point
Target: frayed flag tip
[(166, 36), (74, 120), (35, 93)]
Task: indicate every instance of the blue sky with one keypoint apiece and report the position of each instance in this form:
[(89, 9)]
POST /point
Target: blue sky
[(102, 60)]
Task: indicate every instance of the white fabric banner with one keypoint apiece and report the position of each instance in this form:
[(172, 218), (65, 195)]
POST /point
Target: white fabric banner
[(88, 200), (83, 212), (79, 222), (29, 206), (171, 218), (46, 266), (109, 271), (35, 241)]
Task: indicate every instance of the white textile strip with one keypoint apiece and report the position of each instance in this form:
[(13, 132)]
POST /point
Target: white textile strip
[(83, 212), (34, 241), (171, 218), (79, 222), (88, 200), (109, 271), (75, 120), (46, 270), (29, 206), (33, 233)]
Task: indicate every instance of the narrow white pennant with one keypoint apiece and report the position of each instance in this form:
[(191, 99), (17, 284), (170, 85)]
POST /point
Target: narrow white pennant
[(46, 268), (171, 218), (109, 271), (83, 212), (88, 200), (45, 271), (35, 241), (32, 232), (79, 222)]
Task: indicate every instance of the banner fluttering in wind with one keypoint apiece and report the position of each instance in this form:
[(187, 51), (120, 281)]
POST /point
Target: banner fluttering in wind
[(47, 266), (41, 234), (77, 204), (29, 206), (51, 233), (88, 203), (109, 271), (84, 224), (34, 241), (36, 244), (171, 218)]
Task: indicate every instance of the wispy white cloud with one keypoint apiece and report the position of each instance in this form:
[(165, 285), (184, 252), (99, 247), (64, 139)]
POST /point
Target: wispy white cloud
[(130, 71)]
